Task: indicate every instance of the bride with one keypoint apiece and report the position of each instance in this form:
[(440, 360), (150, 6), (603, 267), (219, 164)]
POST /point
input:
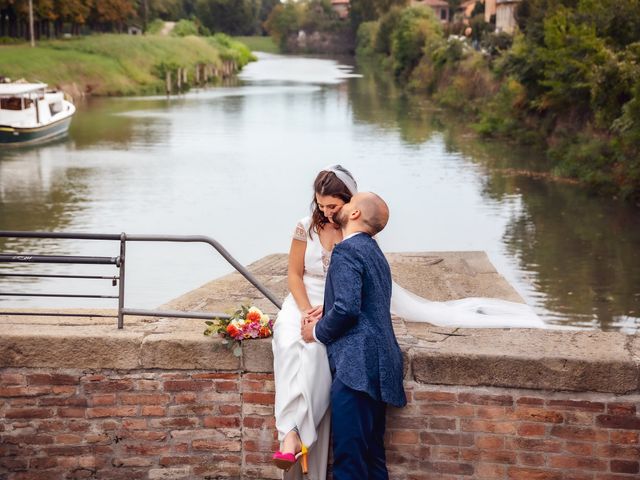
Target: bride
[(301, 370)]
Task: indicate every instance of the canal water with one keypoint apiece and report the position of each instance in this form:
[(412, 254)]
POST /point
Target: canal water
[(237, 163)]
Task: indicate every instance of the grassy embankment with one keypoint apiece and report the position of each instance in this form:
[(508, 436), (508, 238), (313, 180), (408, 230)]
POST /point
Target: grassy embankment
[(117, 64), (259, 44)]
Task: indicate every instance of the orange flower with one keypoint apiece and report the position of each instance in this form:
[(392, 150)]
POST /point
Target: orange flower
[(232, 330), (254, 315), (264, 332)]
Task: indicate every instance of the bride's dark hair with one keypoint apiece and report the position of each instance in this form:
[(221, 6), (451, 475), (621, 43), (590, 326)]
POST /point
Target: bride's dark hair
[(326, 183)]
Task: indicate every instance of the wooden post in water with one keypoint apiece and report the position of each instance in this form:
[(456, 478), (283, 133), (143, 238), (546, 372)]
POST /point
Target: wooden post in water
[(185, 77), (197, 74), (168, 82), (179, 79)]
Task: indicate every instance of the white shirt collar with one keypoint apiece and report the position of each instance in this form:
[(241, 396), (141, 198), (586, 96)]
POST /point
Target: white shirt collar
[(352, 235)]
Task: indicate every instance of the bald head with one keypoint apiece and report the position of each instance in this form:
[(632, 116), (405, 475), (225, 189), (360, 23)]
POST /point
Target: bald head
[(374, 212)]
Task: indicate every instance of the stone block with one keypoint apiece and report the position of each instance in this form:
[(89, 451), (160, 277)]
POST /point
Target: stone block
[(186, 350)]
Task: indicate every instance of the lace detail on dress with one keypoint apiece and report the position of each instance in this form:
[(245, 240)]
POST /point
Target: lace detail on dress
[(300, 233), (326, 260)]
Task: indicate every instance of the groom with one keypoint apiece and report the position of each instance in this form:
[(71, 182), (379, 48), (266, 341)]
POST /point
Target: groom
[(364, 356)]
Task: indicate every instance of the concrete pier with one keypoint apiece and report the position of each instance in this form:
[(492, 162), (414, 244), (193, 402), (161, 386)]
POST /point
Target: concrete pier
[(81, 399), (566, 360)]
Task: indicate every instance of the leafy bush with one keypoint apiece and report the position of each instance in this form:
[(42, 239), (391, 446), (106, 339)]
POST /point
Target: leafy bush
[(612, 84), (231, 49), (495, 43), (319, 16), (416, 27), (572, 51), (386, 26), (11, 41), (365, 38), (184, 28), (155, 26), (284, 20), (502, 115)]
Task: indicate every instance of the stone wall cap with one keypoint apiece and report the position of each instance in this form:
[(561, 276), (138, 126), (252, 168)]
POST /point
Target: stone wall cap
[(586, 360)]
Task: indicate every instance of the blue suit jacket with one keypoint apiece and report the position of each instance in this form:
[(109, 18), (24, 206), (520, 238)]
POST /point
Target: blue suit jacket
[(356, 325)]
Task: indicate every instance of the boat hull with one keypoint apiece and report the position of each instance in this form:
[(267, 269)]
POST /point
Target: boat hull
[(17, 136)]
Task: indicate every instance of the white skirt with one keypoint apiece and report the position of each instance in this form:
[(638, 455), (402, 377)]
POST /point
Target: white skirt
[(303, 383)]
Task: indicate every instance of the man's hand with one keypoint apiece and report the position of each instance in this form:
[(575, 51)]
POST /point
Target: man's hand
[(312, 314), (307, 331)]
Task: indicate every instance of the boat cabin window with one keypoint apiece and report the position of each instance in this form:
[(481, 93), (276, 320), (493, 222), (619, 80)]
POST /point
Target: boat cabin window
[(14, 103), (55, 107)]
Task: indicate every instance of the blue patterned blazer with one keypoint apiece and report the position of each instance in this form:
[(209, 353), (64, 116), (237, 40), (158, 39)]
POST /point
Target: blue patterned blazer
[(356, 325)]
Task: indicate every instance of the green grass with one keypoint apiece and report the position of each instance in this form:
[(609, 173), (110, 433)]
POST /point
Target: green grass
[(259, 44), (115, 64)]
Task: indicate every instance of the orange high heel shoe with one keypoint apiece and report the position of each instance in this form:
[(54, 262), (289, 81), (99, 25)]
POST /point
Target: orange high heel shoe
[(285, 461)]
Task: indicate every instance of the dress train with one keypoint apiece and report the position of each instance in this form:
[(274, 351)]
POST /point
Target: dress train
[(470, 312)]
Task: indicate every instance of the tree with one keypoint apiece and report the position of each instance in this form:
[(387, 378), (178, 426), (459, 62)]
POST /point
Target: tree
[(266, 7), (617, 21), (75, 12), (368, 10), (284, 20), (112, 14), (234, 17), (415, 26), (571, 52)]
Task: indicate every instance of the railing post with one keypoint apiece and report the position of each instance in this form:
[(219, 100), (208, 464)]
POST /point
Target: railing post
[(123, 247)]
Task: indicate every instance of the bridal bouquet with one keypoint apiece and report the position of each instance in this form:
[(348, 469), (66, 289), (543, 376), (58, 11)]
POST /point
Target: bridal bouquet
[(247, 322)]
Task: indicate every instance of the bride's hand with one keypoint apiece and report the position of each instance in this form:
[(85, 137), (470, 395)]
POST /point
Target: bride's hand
[(315, 312), (311, 315)]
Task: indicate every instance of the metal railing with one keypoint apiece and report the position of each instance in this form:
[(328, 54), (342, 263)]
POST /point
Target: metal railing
[(119, 280)]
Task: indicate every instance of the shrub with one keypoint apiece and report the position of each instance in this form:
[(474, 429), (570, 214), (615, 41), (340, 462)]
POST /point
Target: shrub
[(502, 114), (184, 28), (386, 26), (365, 38), (284, 20), (155, 26), (416, 27), (496, 43), (231, 49)]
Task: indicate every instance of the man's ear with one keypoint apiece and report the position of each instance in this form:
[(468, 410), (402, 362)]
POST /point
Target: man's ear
[(355, 214)]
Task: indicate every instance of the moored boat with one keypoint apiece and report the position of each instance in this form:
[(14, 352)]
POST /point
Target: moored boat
[(29, 113)]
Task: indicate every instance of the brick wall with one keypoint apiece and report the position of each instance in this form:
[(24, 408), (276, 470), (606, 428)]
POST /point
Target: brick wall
[(159, 424), (73, 424), (465, 432)]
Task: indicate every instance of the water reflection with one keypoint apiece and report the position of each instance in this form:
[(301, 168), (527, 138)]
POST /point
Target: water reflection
[(584, 251), (576, 256), (237, 163)]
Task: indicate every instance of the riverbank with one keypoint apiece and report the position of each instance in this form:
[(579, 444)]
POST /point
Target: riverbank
[(566, 85), (258, 43), (117, 65)]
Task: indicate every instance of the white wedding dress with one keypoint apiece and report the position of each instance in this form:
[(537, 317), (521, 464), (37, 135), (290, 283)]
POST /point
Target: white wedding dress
[(301, 370)]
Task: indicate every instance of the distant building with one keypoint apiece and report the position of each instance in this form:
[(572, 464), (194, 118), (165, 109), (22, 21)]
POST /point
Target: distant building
[(134, 29), (467, 8), (440, 7), (489, 9), (506, 15), (341, 7)]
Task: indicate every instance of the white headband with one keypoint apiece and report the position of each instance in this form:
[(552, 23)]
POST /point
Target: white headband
[(344, 176)]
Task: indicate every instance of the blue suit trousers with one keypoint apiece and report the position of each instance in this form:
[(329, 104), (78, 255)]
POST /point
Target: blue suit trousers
[(358, 424)]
